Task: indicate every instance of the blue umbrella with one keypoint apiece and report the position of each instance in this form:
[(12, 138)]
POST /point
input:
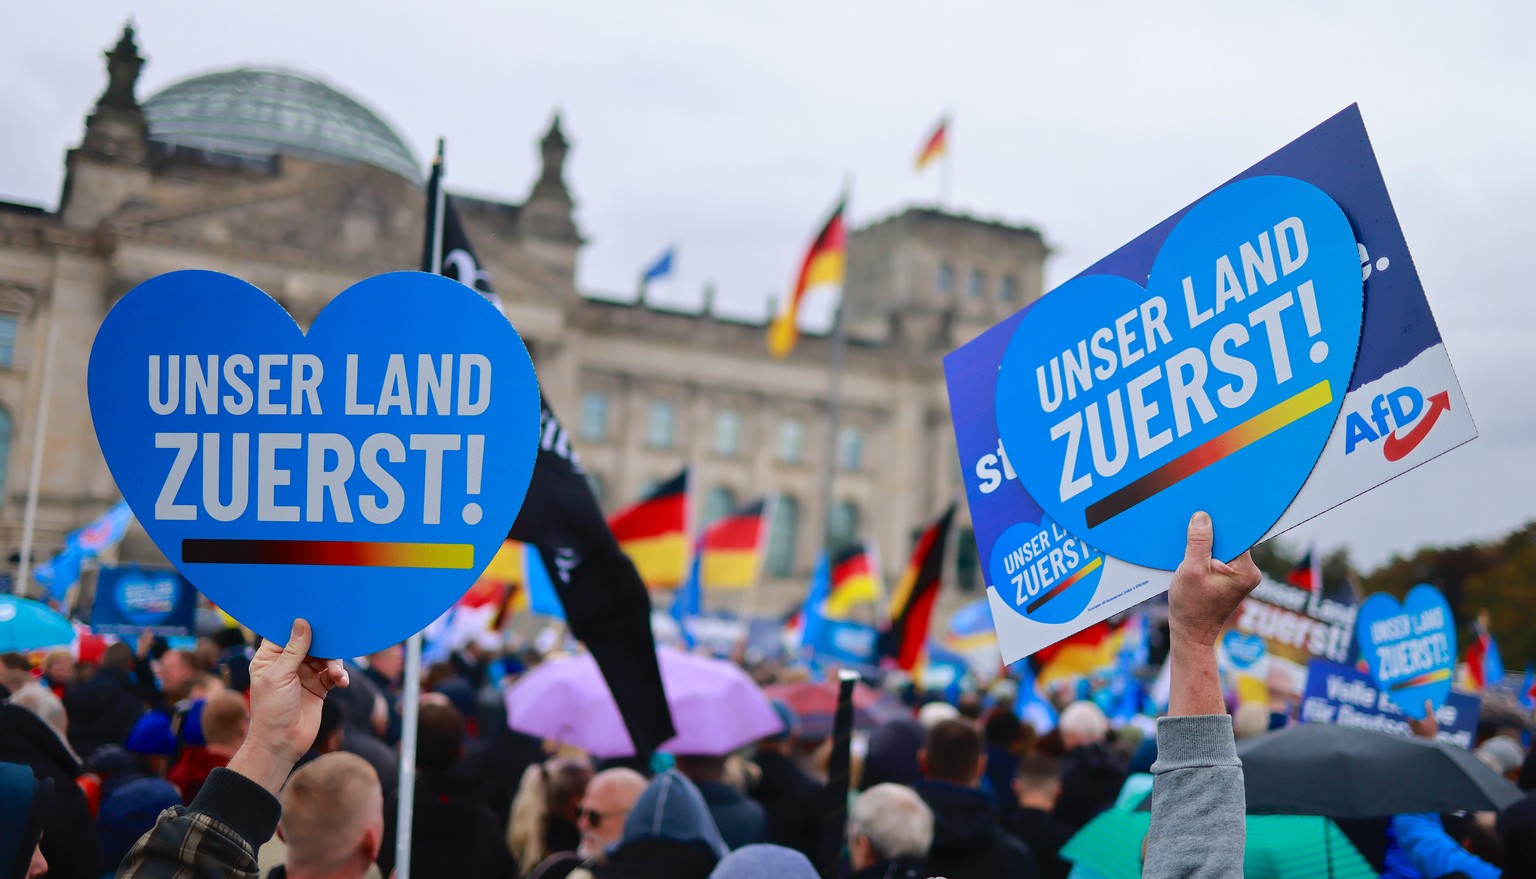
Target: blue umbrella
[(28, 625)]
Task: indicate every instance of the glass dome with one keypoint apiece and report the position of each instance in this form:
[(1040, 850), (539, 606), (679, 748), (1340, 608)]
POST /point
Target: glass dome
[(258, 113)]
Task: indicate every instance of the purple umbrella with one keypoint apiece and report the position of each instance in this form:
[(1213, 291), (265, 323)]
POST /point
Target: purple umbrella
[(716, 707)]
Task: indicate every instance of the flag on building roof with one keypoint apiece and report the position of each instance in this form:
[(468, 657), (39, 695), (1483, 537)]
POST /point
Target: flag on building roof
[(854, 576), (935, 146), (452, 256), (912, 604), (824, 266), (653, 532), (659, 269), (1308, 573), (731, 549)]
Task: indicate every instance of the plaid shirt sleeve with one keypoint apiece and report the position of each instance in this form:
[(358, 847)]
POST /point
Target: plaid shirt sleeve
[(214, 838)]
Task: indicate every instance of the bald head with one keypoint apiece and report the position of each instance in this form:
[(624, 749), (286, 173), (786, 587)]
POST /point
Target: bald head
[(604, 806), (333, 817)]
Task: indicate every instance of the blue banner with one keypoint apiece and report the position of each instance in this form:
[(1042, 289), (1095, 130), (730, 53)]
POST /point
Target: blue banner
[(130, 599), (1341, 695), (1410, 647)]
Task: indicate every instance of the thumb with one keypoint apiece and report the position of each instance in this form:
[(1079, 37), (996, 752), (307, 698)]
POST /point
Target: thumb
[(1197, 545), (297, 647)]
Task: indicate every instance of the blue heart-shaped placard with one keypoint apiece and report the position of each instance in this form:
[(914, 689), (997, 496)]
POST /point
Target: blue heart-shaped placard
[(360, 476), (1125, 409), (1244, 650), (1045, 573), (1409, 647)]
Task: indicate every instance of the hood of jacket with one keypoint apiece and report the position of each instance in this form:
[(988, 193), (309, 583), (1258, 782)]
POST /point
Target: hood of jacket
[(672, 808), (963, 818), (25, 738)]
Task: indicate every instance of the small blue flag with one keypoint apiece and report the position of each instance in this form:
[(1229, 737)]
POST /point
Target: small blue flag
[(542, 598), (686, 604), (659, 269), (812, 620)]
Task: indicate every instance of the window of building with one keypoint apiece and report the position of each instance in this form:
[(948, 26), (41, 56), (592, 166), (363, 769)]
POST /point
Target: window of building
[(782, 536), (946, 279), (850, 448), (718, 501), (661, 428), (5, 449), (594, 416), (976, 285), (967, 561), (7, 339), (843, 530), (1009, 291), (595, 482), (727, 438), (791, 445)]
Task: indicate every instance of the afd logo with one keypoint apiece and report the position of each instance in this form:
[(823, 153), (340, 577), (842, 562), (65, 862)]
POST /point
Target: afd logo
[(1401, 419)]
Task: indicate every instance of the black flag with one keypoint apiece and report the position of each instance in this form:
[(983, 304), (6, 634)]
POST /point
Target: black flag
[(606, 604)]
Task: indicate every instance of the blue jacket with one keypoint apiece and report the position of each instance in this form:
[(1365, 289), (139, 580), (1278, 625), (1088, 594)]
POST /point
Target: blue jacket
[(1425, 849)]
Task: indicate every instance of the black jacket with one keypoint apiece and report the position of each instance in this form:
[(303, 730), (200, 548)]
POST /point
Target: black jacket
[(653, 858), (1045, 834), (793, 804), (967, 841), (740, 821), (453, 833), (901, 868), (69, 836), (103, 710)]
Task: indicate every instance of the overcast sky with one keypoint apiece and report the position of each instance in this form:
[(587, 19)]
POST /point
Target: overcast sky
[(729, 131)]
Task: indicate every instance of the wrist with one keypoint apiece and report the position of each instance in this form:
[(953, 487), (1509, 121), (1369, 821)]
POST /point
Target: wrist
[(263, 762), (1195, 680)]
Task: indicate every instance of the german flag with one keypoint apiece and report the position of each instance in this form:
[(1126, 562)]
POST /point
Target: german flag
[(1079, 655), (912, 605), (935, 146), (653, 532), (854, 583), (731, 549), (825, 265), (1308, 573)]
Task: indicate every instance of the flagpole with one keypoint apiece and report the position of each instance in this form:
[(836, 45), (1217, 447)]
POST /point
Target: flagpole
[(946, 168), (411, 697), (838, 343), (35, 474)]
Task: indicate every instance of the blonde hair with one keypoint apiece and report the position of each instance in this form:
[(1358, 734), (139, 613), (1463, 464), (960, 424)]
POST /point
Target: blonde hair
[(327, 806), (531, 807)]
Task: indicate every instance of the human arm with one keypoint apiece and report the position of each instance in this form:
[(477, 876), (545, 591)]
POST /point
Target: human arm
[(1198, 805), (237, 809)]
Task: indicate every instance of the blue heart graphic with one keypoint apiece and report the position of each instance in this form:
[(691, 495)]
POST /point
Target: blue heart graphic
[(360, 476), (1045, 573), (1244, 650), (1409, 647), (1126, 409)]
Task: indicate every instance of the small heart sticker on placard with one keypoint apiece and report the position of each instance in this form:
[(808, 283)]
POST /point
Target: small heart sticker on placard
[(1409, 647), (360, 476), (1125, 409)]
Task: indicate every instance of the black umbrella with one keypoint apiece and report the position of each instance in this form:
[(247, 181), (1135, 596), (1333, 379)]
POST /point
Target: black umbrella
[(1342, 772)]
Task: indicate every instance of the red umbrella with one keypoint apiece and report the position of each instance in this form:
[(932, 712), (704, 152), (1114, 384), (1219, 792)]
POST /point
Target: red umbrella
[(816, 704)]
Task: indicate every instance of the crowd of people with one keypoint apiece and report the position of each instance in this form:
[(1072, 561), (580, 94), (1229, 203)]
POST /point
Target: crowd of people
[(233, 760)]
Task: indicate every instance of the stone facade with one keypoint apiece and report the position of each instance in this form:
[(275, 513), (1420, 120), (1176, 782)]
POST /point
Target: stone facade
[(645, 391)]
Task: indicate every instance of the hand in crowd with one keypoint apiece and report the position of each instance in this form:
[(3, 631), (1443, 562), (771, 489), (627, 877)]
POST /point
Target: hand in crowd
[(1427, 728), (288, 687), (1204, 593)]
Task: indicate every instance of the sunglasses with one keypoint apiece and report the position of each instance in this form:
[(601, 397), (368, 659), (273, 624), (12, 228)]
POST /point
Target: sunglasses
[(594, 818)]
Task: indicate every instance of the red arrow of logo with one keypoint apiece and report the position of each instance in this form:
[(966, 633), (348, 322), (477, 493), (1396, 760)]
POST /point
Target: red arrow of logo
[(1397, 447)]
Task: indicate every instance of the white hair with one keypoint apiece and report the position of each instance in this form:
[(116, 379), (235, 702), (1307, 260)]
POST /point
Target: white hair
[(894, 819), (935, 713), (1083, 723), (40, 701)]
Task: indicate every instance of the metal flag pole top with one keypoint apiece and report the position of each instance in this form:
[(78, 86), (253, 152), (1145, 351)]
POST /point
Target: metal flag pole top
[(411, 698), (39, 434)]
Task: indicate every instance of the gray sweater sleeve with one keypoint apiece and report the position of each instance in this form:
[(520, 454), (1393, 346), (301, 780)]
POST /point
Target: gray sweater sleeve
[(1197, 801)]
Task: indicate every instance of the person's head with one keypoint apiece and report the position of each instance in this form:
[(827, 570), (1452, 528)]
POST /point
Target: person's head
[(440, 738), (604, 806), (15, 671), (24, 802), (548, 790), (701, 768), (785, 740), (936, 712), (389, 662), (332, 817), (1502, 755), (176, 671), (1037, 782), (1002, 729), (1082, 723), (953, 753), (762, 861), (40, 701), (888, 822), (118, 657), (205, 684), (1249, 720), (969, 705), (225, 722), (59, 668)]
